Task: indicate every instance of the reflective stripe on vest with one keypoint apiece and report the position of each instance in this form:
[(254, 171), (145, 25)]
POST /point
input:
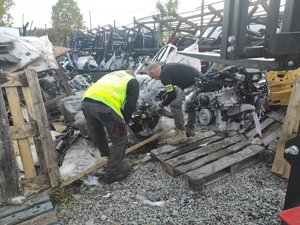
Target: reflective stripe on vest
[(111, 90)]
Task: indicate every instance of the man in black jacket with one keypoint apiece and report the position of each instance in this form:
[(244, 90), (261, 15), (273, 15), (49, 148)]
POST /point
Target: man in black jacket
[(176, 78)]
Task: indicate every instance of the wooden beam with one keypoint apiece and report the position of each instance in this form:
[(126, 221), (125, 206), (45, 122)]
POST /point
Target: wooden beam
[(180, 18), (23, 131), (18, 120), (280, 165), (216, 12), (253, 10), (174, 31), (103, 162), (8, 167), (264, 4), (32, 116), (143, 25), (10, 80), (204, 29), (44, 129)]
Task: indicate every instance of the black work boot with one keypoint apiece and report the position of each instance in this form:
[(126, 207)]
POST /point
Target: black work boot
[(120, 174)]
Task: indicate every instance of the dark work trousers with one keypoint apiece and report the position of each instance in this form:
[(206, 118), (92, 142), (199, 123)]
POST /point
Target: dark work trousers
[(176, 109), (99, 117)]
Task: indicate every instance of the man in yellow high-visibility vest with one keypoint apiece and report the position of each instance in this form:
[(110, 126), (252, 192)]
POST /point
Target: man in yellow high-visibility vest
[(107, 106)]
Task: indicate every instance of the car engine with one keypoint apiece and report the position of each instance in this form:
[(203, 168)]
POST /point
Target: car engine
[(143, 120), (229, 100)]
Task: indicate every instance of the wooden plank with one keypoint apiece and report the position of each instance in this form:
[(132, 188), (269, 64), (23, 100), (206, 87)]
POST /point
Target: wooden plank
[(18, 120), (103, 162), (169, 148), (10, 80), (59, 126), (37, 140), (191, 156), (17, 217), (43, 219), (49, 155), (32, 200), (8, 167), (270, 129), (296, 126), (36, 184), (189, 148), (211, 157), (29, 104), (23, 131), (263, 125), (184, 158), (148, 140), (276, 116), (280, 166), (205, 171), (268, 139)]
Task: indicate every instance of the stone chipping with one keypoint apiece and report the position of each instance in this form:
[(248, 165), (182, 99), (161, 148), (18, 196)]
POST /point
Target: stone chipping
[(149, 196)]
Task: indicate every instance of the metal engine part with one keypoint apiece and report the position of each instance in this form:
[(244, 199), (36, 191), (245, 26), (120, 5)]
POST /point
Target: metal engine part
[(143, 121), (225, 100), (205, 117)]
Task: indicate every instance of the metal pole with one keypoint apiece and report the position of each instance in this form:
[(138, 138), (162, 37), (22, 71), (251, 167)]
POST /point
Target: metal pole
[(90, 19)]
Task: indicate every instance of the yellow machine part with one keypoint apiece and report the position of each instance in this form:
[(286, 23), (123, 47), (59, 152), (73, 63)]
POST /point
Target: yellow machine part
[(281, 84)]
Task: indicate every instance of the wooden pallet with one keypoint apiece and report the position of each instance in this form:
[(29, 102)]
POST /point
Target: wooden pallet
[(207, 156), (37, 210), (28, 127)]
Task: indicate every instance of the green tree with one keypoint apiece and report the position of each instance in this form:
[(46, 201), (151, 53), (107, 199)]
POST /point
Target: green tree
[(5, 17), (66, 19), (165, 10), (53, 35)]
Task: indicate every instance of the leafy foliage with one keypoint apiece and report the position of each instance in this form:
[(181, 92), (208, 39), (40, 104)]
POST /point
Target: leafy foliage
[(165, 10), (66, 19), (53, 35), (5, 16)]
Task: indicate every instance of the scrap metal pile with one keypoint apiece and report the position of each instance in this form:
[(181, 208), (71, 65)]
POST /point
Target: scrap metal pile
[(227, 101)]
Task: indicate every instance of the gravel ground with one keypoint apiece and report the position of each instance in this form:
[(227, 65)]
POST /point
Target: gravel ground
[(150, 196)]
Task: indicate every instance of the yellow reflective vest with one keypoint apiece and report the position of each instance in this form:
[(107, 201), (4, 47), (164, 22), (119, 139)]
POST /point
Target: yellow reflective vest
[(110, 90)]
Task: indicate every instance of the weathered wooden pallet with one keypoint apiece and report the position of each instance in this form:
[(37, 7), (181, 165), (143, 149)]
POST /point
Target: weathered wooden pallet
[(207, 157), (27, 132), (37, 210)]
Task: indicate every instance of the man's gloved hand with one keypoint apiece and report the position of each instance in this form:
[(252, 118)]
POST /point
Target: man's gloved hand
[(157, 107)]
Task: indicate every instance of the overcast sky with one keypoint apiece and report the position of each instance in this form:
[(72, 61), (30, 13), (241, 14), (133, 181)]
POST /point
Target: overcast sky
[(102, 12)]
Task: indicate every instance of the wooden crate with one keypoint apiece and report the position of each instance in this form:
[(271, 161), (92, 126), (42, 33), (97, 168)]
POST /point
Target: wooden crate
[(27, 126)]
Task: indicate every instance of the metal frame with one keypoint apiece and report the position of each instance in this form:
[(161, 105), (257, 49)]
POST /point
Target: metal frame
[(283, 46)]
